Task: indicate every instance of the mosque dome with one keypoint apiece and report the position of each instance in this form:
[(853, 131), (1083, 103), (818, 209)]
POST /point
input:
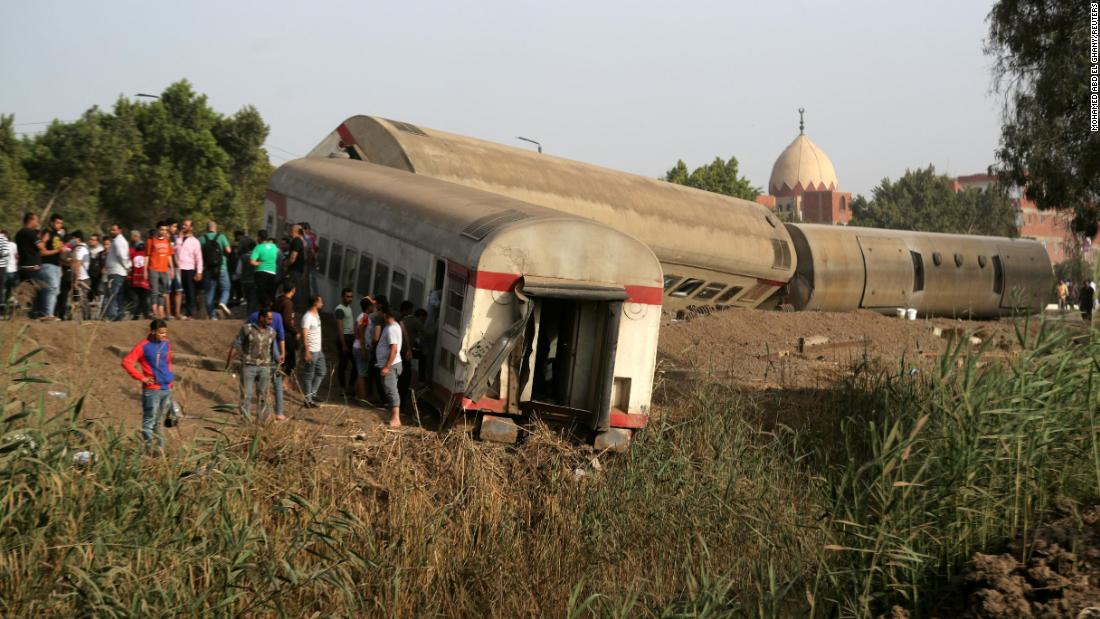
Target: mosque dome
[(802, 167)]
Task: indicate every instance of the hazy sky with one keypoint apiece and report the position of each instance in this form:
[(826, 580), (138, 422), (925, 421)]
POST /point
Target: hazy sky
[(629, 85)]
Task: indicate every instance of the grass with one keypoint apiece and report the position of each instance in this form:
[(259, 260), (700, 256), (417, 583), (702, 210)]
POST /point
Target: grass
[(713, 511)]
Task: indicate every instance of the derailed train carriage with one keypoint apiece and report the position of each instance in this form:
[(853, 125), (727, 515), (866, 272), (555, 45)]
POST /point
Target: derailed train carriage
[(721, 251), (842, 267), (542, 314)]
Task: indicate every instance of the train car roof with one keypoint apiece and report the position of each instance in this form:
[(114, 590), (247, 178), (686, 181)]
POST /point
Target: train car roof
[(890, 232), (452, 221), (683, 225)]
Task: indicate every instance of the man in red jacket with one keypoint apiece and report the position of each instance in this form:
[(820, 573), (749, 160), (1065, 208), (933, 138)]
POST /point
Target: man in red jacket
[(150, 362)]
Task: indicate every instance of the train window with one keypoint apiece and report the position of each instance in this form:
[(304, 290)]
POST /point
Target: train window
[(348, 280), (998, 276), (981, 261), (366, 267), (918, 270), (958, 260), (334, 265), (322, 254), (670, 281), (456, 298), (729, 294), (710, 290), (381, 277), (416, 291), (689, 286), (937, 259), (397, 288)]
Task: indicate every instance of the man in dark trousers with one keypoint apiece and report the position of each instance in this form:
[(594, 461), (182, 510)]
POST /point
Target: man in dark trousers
[(1086, 297), (284, 305)]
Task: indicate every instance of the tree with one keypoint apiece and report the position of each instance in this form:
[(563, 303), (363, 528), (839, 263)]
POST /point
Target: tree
[(718, 177), (141, 162), (1041, 64), (923, 200), (17, 192)]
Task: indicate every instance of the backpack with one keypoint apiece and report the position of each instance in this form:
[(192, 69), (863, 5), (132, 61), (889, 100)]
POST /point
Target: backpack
[(212, 253)]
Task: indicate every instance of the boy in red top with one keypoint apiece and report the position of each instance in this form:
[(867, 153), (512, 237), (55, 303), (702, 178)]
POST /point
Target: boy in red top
[(150, 362)]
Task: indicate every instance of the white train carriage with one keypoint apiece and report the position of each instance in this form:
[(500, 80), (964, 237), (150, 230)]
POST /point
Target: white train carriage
[(541, 313)]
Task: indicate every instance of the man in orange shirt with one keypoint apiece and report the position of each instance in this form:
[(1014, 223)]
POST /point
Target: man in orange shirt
[(161, 264)]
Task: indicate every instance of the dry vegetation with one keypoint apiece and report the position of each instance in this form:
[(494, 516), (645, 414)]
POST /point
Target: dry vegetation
[(729, 504)]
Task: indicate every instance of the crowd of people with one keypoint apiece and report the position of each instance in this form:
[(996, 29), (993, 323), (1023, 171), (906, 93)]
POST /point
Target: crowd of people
[(171, 272), (1081, 297)]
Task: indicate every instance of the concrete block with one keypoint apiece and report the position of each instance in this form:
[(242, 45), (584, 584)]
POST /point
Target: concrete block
[(811, 341), (615, 439), (499, 429)]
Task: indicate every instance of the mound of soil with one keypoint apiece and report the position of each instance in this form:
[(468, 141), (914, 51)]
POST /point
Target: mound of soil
[(1061, 578), (761, 348)]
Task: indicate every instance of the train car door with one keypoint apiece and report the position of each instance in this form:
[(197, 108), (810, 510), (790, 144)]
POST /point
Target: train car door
[(1015, 279), (889, 272), (558, 357)]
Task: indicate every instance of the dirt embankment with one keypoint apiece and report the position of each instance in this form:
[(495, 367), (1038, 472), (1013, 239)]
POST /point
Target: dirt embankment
[(1061, 578), (762, 349)]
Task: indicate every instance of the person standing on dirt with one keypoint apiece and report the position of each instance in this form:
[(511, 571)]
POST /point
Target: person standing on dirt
[(139, 279), (257, 345), (29, 246), (284, 305), (50, 273), (189, 260), (244, 275), (5, 257), (315, 366), (1063, 295), (346, 319), (11, 276), (215, 251), (160, 263), (150, 362), (81, 270), (265, 259), (279, 356), (388, 358), (116, 266), (362, 350), (1086, 298)]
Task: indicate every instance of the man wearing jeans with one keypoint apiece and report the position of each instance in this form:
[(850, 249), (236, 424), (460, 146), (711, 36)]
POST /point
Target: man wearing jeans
[(256, 342), (315, 367), (217, 272), (388, 358), (50, 274), (150, 362), (118, 268)]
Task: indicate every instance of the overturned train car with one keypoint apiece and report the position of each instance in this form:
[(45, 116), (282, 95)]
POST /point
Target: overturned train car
[(842, 268), (540, 313), (715, 249), (722, 251)]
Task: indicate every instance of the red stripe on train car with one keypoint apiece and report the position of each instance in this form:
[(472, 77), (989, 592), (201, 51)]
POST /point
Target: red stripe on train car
[(345, 135), (279, 200), (620, 419)]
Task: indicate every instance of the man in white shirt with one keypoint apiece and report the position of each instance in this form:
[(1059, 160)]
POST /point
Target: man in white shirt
[(81, 261), (315, 368), (7, 256), (388, 358), (118, 268)]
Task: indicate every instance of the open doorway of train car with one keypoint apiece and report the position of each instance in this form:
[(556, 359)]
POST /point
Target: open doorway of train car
[(556, 362), (566, 372)]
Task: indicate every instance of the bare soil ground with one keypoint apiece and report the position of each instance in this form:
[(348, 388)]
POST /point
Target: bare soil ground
[(761, 349), (1061, 578), (84, 358)]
